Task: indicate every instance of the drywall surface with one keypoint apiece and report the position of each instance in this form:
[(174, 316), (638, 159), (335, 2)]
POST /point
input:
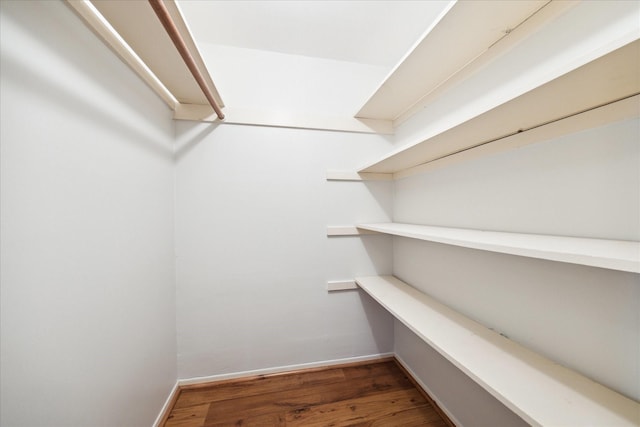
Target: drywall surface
[(87, 271), (585, 184), (258, 81), (464, 401), (253, 258), (364, 32)]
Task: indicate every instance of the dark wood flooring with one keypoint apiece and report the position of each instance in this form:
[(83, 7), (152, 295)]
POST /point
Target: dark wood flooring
[(367, 394)]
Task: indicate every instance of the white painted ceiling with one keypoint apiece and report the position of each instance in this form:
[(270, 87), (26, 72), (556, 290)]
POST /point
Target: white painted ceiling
[(367, 32)]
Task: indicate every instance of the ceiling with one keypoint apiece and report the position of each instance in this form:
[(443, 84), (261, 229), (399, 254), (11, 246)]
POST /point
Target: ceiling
[(367, 32)]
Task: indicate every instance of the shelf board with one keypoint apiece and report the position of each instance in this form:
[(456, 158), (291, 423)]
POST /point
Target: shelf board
[(155, 57), (609, 79), (426, 65), (615, 112), (540, 391), (611, 254)]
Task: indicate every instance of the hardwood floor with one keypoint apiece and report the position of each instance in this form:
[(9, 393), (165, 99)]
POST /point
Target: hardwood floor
[(367, 394)]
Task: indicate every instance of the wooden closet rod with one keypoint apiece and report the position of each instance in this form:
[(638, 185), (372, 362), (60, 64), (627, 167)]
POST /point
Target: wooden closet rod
[(164, 16)]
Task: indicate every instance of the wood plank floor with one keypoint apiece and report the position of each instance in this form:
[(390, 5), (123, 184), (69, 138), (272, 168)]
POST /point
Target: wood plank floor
[(368, 394)]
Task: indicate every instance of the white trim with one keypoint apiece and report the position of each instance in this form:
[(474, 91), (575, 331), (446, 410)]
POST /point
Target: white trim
[(347, 230), (343, 285), (281, 369), (165, 408), (427, 390), (335, 175), (241, 116)]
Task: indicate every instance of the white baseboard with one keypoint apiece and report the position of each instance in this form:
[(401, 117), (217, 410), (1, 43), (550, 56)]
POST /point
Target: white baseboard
[(279, 369), (166, 407), (444, 409)]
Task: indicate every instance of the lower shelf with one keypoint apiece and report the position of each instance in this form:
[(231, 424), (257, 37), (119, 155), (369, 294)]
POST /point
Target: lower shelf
[(537, 389)]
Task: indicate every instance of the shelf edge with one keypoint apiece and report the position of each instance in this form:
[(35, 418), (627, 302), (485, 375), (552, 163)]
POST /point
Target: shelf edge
[(603, 115), (629, 263)]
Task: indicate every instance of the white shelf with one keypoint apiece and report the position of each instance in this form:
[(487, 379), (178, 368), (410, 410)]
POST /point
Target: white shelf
[(612, 254), (156, 58), (540, 391), (425, 67), (609, 79), (597, 117)]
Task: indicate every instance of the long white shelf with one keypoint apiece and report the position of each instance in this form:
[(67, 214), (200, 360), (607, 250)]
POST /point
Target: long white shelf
[(424, 68), (610, 79), (612, 254), (540, 391)]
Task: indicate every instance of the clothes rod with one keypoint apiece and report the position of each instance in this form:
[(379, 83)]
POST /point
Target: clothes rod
[(165, 18)]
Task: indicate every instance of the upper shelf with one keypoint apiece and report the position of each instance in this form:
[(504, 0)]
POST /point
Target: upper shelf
[(136, 34), (612, 254), (610, 79), (418, 73), (540, 391)]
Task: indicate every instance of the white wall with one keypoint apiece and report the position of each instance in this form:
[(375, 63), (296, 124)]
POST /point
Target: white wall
[(253, 257), (279, 83), (87, 273), (584, 185)]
